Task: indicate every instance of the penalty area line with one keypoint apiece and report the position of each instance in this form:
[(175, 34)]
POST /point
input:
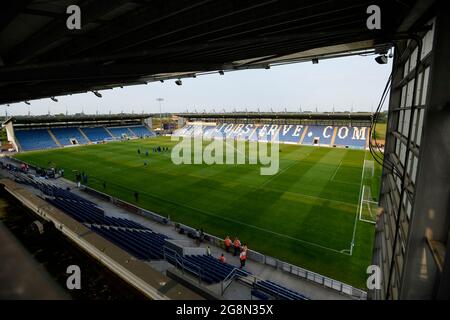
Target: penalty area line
[(336, 171), (249, 225), (352, 244), (268, 231)]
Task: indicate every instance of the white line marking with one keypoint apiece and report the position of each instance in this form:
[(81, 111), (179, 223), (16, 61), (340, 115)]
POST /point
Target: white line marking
[(352, 244), (344, 251), (249, 225), (227, 143), (345, 182), (368, 207), (337, 169), (278, 174), (361, 201)]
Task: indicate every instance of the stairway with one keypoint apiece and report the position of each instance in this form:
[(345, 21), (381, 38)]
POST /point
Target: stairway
[(84, 135), (54, 138), (109, 132)]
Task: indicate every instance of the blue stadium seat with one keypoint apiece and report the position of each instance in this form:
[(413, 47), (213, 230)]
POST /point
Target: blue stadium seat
[(278, 291), (355, 137), (83, 210), (96, 134), (259, 294), (290, 133), (122, 242), (64, 136), (119, 132), (318, 135), (352, 137), (142, 131), (210, 269), (145, 244), (35, 139)]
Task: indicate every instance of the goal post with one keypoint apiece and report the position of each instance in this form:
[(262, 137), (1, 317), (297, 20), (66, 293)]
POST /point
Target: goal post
[(368, 205), (369, 170)]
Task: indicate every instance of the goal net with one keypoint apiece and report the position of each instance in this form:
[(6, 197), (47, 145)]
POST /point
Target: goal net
[(368, 205), (369, 169)]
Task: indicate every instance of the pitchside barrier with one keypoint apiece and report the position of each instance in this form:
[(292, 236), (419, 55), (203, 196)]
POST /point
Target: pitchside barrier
[(252, 255)]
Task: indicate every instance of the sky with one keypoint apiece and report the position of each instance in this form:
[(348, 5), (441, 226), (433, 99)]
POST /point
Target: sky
[(351, 83)]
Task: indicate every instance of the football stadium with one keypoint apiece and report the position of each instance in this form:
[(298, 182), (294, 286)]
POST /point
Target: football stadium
[(231, 205), (316, 189)]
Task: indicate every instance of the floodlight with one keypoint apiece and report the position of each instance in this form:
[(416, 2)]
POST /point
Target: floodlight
[(381, 59)]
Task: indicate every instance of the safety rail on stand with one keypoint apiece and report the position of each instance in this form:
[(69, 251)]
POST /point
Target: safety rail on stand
[(178, 261), (237, 274)]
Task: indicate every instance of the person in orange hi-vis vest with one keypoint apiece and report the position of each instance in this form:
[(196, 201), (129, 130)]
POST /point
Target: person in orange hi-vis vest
[(227, 242), (237, 246), (222, 258), (243, 257)]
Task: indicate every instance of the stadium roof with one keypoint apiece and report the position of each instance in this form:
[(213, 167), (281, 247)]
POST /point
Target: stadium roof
[(135, 42), (74, 118), (283, 115)]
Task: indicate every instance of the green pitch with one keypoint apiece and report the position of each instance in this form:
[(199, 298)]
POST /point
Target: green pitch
[(306, 214)]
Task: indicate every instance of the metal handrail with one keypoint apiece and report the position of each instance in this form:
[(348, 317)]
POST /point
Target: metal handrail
[(180, 262), (233, 275)]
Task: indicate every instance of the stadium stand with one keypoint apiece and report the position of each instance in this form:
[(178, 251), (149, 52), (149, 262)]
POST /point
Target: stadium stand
[(275, 290), (27, 133), (320, 135), (184, 131), (207, 268), (121, 132), (96, 134), (211, 270), (351, 137), (66, 136), (254, 136), (145, 244), (88, 213), (142, 131), (35, 139), (290, 134)]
